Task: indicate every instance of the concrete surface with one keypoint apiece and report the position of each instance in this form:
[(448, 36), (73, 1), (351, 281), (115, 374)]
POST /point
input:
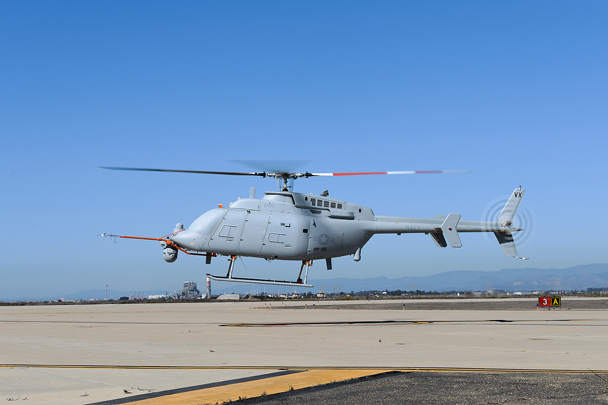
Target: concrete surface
[(198, 342)]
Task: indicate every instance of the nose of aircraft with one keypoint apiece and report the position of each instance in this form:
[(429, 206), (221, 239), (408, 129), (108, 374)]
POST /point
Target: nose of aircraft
[(185, 239)]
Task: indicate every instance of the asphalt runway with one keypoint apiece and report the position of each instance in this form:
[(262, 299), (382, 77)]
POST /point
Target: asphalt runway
[(452, 388), (195, 353)]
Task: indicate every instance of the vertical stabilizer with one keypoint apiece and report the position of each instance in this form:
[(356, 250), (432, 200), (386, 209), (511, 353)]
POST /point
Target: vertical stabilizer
[(508, 212), (505, 220)]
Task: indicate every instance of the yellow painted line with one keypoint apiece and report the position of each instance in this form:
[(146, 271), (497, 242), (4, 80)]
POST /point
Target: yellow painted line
[(251, 389)]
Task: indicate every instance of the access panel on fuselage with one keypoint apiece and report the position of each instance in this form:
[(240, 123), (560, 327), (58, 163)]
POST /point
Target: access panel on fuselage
[(254, 233), (286, 235), (227, 235)]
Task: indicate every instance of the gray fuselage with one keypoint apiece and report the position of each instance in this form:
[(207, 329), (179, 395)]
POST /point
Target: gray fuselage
[(294, 226)]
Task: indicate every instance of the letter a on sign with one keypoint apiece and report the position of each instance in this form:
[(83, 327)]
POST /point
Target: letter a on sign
[(556, 301)]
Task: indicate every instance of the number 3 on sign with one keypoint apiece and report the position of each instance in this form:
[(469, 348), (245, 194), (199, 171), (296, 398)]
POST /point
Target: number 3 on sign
[(549, 302)]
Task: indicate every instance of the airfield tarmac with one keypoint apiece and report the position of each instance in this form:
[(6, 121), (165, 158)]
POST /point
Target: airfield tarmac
[(195, 353)]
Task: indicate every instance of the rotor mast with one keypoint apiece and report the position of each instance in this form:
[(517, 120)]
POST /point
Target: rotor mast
[(285, 177)]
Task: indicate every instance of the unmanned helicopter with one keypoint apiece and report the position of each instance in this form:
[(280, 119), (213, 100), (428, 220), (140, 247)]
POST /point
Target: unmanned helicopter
[(285, 225)]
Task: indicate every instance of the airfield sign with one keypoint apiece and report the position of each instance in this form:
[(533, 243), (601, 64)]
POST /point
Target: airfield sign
[(550, 301)]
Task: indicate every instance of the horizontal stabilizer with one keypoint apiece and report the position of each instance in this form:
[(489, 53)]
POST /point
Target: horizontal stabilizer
[(507, 243), (449, 230), (439, 239)]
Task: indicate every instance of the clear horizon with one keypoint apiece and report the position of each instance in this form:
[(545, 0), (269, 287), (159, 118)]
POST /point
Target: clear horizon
[(515, 92), (257, 288)]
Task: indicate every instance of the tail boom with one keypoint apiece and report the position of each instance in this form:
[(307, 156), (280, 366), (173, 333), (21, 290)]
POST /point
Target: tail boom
[(445, 229)]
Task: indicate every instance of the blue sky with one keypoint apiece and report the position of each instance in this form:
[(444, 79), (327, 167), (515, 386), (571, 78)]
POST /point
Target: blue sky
[(515, 91)]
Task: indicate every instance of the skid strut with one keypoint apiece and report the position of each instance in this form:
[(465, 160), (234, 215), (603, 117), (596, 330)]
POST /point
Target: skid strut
[(231, 266), (306, 263)]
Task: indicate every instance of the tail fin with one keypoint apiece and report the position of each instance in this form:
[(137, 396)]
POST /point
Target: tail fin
[(508, 212), (505, 219)]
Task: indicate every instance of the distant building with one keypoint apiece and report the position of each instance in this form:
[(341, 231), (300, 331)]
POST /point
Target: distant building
[(229, 297), (190, 292)]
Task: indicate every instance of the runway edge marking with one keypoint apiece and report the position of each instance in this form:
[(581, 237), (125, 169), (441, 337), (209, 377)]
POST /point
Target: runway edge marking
[(177, 391), (239, 389)]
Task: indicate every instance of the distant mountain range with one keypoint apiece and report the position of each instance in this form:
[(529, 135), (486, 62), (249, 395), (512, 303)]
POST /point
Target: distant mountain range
[(528, 279)]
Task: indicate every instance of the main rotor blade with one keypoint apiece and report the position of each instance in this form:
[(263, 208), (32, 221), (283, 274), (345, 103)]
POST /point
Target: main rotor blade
[(401, 172), (262, 174)]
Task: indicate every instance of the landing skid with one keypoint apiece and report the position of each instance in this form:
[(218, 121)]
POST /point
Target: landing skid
[(231, 279), (258, 281)]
